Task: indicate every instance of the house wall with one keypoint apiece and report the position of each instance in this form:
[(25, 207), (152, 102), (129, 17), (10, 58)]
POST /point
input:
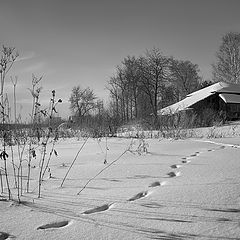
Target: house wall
[(210, 110), (213, 102), (233, 111), (227, 111)]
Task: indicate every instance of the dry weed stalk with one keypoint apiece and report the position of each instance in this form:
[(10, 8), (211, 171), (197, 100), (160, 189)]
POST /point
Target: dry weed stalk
[(109, 165), (74, 160), (7, 59), (46, 139)]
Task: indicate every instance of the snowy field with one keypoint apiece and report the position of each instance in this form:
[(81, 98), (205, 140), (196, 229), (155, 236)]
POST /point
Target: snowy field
[(182, 189)]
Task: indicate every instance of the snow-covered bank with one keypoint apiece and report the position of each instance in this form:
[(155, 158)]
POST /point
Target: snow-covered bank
[(184, 189), (231, 130)]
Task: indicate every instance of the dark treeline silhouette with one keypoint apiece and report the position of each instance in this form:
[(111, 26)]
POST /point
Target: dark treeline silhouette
[(138, 89), (141, 86)]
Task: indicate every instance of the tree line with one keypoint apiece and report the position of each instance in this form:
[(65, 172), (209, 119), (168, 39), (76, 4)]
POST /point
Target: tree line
[(142, 85), (139, 87)]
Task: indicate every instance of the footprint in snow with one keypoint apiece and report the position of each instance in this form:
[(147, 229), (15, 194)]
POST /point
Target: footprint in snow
[(211, 150), (98, 209), (173, 174), (186, 161), (138, 196), (4, 235), (157, 184), (193, 155), (196, 154), (175, 166), (54, 225)]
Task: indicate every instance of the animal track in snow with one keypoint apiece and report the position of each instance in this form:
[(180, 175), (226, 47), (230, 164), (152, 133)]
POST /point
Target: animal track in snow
[(211, 150), (173, 174), (175, 166), (186, 161), (98, 209), (157, 184), (139, 195), (194, 155), (54, 225), (4, 235), (186, 158)]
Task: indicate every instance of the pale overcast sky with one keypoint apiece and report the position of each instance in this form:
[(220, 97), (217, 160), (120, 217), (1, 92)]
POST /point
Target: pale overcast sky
[(77, 42)]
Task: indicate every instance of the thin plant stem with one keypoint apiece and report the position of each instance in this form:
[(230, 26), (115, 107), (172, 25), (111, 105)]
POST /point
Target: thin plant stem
[(33, 121), (128, 148), (41, 169), (5, 156), (106, 150), (7, 60), (45, 143), (29, 169), (20, 176), (14, 167), (1, 180), (21, 180), (74, 160), (15, 122), (18, 187), (14, 82), (6, 176), (49, 158)]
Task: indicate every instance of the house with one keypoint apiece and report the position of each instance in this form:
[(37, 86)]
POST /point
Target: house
[(221, 96)]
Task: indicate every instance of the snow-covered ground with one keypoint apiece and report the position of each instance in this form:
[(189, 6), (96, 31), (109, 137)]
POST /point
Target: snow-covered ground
[(181, 189)]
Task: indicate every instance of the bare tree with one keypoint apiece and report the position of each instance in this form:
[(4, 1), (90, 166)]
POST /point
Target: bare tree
[(184, 77), (227, 66), (114, 98), (142, 85), (82, 101), (14, 82), (118, 87), (154, 70), (132, 75)]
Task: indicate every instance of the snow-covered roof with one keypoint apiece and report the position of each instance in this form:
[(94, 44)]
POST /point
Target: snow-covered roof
[(192, 98), (230, 98)]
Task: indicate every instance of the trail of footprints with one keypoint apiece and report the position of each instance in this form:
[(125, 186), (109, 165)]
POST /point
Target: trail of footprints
[(143, 194), (105, 207), (140, 195), (146, 193)]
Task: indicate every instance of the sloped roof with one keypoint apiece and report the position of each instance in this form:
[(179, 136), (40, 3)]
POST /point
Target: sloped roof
[(230, 98), (192, 98)]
